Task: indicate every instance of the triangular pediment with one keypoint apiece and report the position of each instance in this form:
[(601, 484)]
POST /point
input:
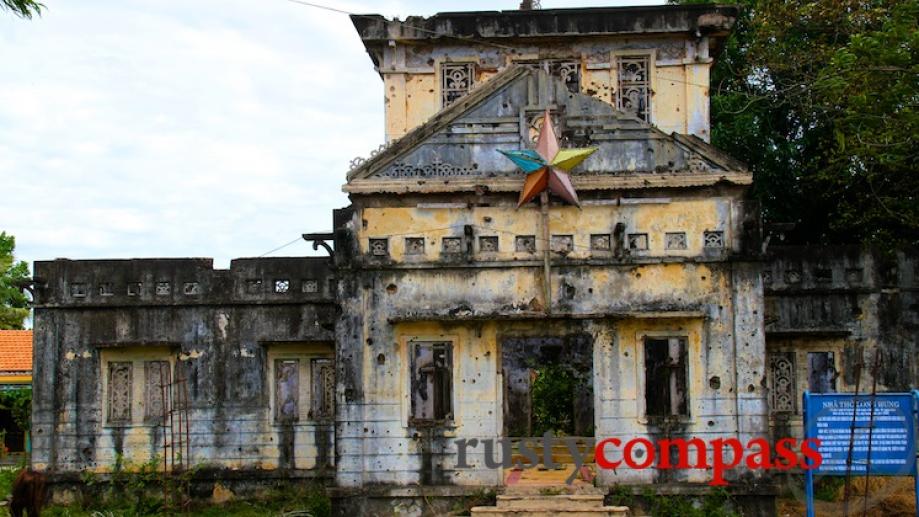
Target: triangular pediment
[(457, 149)]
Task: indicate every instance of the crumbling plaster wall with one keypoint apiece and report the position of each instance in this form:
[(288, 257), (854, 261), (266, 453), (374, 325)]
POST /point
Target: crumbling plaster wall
[(855, 303), (218, 327), (387, 301), (679, 76)]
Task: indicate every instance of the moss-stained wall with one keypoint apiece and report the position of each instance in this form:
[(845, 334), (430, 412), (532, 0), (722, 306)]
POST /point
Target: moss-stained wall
[(678, 78), (219, 329), (709, 296), (858, 305)]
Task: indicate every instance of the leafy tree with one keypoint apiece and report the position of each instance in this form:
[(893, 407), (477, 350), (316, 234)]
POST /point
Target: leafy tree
[(19, 403), (819, 97), (14, 305), (22, 8)]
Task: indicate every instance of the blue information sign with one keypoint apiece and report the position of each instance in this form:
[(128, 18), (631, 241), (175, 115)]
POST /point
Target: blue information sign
[(881, 430), (891, 430)]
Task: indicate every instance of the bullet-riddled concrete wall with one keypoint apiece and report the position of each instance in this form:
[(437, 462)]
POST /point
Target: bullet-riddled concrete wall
[(837, 317), (678, 78), (219, 328), (680, 44), (478, 297)]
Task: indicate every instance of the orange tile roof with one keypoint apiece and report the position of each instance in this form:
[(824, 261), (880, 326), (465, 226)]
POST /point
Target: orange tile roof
[(15, 350)]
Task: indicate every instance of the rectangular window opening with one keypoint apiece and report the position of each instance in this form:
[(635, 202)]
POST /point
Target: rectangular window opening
[(456, 81), (665, 377), (633, 95), (821, 372), (120, 385), (322, 392), (431, 382), (157, 381), (287, 390)]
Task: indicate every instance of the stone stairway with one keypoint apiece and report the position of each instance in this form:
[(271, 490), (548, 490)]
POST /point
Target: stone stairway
[(540, 505)]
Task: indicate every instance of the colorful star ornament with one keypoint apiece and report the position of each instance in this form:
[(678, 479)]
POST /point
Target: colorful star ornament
[(547, 166)]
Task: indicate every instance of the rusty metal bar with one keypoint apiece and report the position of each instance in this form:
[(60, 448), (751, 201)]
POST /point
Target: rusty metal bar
[(848, 486), (547, 243), (874, 389)]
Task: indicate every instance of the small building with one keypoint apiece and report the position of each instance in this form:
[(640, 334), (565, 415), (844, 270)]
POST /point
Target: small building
[(15, 376)]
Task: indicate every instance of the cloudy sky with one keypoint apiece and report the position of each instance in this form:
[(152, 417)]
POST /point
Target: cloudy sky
[(204, 128)]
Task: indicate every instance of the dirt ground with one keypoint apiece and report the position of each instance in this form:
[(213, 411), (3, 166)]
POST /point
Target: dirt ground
[(887, 497)]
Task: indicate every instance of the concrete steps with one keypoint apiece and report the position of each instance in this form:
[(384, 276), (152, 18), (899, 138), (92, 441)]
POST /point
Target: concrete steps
[(567, 505)]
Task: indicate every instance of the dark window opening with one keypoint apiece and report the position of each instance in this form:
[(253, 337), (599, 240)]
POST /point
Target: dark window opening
[(12, 436), (821, 372), (548, 385), (665, 377), (432, 382)]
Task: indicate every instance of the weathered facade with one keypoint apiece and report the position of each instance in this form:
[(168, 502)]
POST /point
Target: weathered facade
[(105, 329), (838, 319), (446, 311), (658, 264)]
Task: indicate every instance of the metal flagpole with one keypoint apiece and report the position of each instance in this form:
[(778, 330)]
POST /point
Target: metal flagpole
[(547, 287)]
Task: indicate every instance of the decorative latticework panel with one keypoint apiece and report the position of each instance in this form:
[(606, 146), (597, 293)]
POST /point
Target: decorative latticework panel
[(525, 243), (638, 241), (456, 80), (452, 245), (119, 391), (600, 242), (414, 246), (562, 243), (287, 390), (633, 94), (157, 380), (379, 247), (569, 72), (782, 375), (676, 241), (323, 389), (488, 244), (713, 239)]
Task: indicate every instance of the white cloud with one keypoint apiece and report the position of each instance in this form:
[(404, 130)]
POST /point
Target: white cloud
[(153, 128)]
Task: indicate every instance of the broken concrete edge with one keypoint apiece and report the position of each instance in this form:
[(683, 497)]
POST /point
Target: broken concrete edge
[(454, 315), (182, 282), (689, 489), (637, 180), (712, 20), (362, 178)]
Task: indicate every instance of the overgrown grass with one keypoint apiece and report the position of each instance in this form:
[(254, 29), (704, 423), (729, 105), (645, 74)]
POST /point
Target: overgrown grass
[(7, 476), (311, 500), (717, 503), (137, 491)]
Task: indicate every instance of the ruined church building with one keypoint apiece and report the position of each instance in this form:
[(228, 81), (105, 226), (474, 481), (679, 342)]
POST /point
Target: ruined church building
[(444, 311)]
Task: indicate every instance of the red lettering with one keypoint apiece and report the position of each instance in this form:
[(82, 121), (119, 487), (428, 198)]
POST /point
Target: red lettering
[(682, 447), (785, 450), (630, 460), (600, 454), (762, 455), (811, 453), (718, 459)]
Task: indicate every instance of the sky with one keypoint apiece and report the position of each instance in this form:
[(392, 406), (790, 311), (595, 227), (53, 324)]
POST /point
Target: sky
[(169, 128)]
